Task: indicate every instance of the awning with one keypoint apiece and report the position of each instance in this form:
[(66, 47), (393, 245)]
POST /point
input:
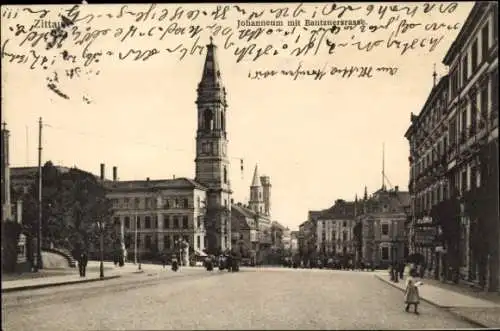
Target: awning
[(200, 253)]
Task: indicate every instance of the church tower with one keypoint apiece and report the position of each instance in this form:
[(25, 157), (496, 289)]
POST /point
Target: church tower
[(256, 202), (212, 162)]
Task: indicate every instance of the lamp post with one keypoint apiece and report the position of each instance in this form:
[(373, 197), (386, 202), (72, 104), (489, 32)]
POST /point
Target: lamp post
[(101, 225)]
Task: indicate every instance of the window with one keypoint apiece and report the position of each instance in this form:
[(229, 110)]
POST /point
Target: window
[(166, 221), (138, 222), (155, 221), (198, 242), (199, 202), (199, 220), (185, 223), (474, 56), (484, 105), (485, 41), (473, 178), (465, 71), (225, 175), (137, 202), (147, 221), (167, 204), (385, 253), (385, 229), (117, 221), (176, 222), (344, 236), (127, 222), (125, 202), (148, 242), (185, 203), (334, 236), (464, 181), (344, 224), (176, 203), (464, 125), (166, 242), (209, 119)]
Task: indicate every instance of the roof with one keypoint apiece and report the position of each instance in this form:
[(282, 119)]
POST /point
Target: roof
[(243, 211), (396, 201), (340, 210), (440, 87), (176, 183)]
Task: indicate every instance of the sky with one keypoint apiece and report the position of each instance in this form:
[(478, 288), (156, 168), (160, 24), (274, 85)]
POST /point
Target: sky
[(317, 140)]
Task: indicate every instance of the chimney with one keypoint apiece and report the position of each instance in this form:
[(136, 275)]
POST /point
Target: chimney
[(102, 171), (115, 174)]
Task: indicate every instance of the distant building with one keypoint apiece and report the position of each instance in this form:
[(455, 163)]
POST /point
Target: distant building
[(334, 231), (294, 242), (382, 217)]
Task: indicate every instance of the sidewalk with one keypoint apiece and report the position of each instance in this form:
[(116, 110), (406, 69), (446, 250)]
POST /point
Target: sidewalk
[(110, 272), (480, 311)]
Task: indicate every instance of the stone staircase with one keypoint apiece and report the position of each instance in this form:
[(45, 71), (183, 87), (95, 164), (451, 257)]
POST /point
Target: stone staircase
[(63, 252)]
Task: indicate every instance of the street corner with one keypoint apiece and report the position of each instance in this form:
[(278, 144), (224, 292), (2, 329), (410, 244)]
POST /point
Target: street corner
[(8, 288)]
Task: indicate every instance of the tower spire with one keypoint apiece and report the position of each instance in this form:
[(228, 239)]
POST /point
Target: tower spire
[(256, 180), (211, 73)]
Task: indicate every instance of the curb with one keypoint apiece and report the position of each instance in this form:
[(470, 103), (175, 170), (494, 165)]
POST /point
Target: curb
[(38, 286), (467, 319)]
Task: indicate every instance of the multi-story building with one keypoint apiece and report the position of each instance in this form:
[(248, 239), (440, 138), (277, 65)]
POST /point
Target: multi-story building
[(428, 138), (334, 231), (382, 217), (463, 184), (307, 238)]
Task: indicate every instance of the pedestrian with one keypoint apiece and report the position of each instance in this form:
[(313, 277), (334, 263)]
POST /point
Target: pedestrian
[(412, 296), (83, 264), (401, 269)]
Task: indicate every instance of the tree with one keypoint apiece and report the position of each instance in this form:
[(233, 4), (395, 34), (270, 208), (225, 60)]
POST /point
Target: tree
[(72, 204)]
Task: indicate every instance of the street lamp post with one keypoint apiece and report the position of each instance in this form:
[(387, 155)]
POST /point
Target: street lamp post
[(101, 225)]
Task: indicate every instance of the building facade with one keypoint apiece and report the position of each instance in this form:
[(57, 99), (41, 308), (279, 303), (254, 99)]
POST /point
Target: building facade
[(334, 231), (428, 138), (382, 217), (464, 207)]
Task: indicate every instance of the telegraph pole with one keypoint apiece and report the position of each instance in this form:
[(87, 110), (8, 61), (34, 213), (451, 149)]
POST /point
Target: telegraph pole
[(39, 239)]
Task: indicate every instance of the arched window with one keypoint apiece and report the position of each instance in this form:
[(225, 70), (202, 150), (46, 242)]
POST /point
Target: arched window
[(223, 121), (209, 119), (225, 175)]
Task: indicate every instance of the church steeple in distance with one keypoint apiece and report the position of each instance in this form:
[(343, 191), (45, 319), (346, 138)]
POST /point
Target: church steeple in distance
[(256, 202), (212, 161)]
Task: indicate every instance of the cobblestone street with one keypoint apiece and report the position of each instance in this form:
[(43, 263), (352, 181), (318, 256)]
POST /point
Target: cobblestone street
[(264, 298)]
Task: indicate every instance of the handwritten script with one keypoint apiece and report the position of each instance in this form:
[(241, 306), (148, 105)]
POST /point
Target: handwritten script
[(73, 42)]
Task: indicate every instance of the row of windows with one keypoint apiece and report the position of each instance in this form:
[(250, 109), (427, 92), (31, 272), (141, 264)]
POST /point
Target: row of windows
[(324, 223), (470, 62), (345, 236), (471, 119), (153, 203), (151, 222), (462, 182)]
